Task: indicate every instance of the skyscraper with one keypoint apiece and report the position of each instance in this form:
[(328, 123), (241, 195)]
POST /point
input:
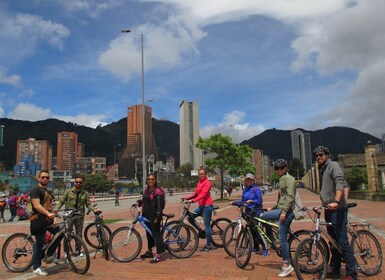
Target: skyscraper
[(301, 147), (67, 150), (39, 149), (189, 134)]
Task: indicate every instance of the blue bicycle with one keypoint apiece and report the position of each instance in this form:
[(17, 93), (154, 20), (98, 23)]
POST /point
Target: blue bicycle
[(125, 243)]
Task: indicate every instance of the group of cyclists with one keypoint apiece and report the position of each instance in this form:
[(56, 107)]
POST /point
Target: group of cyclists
[(153, 202)]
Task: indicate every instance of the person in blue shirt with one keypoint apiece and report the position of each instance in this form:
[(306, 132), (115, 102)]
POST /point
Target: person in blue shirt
[(252, 197)]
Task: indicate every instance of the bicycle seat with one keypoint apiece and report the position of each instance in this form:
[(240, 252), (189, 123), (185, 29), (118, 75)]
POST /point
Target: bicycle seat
[(169, 215)]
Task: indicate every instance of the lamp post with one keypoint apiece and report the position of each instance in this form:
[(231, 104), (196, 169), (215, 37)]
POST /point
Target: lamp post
[(143, 109), (115, 152)]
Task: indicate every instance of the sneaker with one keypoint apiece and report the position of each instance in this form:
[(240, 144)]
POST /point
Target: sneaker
[(148, 254), (286, 271), (333, 273), (156, 259), (53, 259), (206, 249), (348, 277), (265, 253), (40, 271)]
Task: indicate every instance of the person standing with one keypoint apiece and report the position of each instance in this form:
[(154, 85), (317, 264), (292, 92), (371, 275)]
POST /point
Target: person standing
[(152, 208), (205, 208), (13, 204), (42, 219), (283, 213), (3, 205), (332, 195), (77, 198), (117, 198), (252, 197)]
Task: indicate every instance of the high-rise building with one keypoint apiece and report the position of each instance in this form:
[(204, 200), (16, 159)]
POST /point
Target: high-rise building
[(67, 150), (80, 150), (189, 134), (91, 165), (39, 149), (301, 147)]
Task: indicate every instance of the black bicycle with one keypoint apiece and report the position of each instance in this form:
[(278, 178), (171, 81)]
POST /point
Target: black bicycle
[(97, 234), (217, 225), (17, 249)]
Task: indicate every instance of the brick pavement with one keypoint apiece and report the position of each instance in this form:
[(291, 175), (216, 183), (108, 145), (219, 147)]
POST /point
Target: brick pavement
[(214, 265)]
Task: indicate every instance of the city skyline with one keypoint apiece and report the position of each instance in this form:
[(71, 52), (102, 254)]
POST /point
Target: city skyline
[(250, 64)]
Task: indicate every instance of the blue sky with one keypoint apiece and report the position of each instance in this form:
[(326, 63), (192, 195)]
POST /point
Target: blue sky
[(251, 65)]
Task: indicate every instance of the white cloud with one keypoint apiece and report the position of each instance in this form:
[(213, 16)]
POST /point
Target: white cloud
[(31, 112), (13, 79), (1, 112), (91, 7)]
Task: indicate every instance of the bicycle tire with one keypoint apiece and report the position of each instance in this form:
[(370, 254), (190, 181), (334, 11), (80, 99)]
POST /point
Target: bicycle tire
[(367, 250), (16, 252), (169, 225), (77, 254), (125, 244), (243, 247), (182, 241), (217, 228), (230, 235), (91, 235), (104, 243), (310, 260)]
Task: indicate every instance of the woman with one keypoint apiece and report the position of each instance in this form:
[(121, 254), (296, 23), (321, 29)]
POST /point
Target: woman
[(283, 212), (205, 208), (152, 209)]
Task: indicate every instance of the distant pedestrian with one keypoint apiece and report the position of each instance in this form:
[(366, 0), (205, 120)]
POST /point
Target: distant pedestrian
[(117, 199), (13, 204), (3, 205)]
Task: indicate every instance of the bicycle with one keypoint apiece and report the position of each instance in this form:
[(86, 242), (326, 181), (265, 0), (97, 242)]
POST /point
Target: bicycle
[(244, 240), (17, 248), (311, 258), (217, 225), (97, 234), (125, 243)]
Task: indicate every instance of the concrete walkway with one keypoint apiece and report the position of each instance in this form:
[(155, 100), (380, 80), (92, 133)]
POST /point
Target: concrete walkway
[(214, 265)]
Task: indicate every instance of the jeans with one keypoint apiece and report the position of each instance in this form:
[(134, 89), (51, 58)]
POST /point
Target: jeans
[(13, 211), (339, 232), (37, 247), (206, 212), (283, 230), (156, 238)]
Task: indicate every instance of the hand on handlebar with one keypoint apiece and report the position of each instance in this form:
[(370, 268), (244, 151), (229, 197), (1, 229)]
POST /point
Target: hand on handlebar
[(97, 211)]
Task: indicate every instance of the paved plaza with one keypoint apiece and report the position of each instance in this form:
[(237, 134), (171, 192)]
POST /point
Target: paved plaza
[(201, 266)]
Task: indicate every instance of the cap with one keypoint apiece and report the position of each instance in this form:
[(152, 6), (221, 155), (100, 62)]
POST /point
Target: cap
[(249, 176)]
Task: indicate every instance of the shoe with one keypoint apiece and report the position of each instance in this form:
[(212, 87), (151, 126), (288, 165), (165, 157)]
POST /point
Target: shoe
[(265, 253), (206, 249), (333, 273), (79, 254), (156, 259), (286, 271), (53, 259), (348, 277), (146, 255), (40, 271)]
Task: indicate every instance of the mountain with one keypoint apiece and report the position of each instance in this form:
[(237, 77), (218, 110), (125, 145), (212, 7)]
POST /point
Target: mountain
[(101, 141)]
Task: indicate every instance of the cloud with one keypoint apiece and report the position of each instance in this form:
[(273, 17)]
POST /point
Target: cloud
[(5, 78), (31, 112), (1, 112), (91, 7)]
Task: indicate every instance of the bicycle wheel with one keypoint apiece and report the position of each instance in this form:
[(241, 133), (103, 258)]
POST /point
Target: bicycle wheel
[(77, 254), (243, 247), (367, 252), (170, 224), (230, 235), (310, 261), (17, 252), (182, 241), (217, 228), (91, 235), (104, 242), (125, 244)]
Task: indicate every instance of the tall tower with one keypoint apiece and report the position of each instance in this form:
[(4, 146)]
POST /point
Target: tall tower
[(67, 150), (189, 134), (301, 147), (40, 149)]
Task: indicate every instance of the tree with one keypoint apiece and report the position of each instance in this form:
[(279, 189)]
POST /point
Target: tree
[(296, 168), (228, 155), (96, 183), (275, 178), (185, 170), (355, 177), (59, 185)]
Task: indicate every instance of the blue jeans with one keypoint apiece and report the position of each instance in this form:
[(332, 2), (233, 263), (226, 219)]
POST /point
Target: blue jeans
[(283, 230), (339, 232), (206, 212), (37, 247)]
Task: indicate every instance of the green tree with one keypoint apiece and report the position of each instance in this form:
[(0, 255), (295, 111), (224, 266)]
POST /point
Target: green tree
[(185, 170), (228, 155), (275, 177), (96, 183), (59, 185), (296, 168), (355, 177)]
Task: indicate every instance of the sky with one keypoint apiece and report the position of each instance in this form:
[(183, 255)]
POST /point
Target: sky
[(251, 65)]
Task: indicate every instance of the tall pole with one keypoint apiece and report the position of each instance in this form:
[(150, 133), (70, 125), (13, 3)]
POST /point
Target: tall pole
[(143, 110)]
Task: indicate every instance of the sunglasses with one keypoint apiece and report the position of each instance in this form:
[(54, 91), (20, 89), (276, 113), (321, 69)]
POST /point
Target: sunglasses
[(279, 168), (78, 183), (44, 177), (319, 155)]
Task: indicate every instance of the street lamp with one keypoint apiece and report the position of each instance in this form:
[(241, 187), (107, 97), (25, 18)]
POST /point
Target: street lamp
[(143, 108), (115, 152)]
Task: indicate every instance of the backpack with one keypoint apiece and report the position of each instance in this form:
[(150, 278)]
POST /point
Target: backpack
[(11, 201), (2, 203)]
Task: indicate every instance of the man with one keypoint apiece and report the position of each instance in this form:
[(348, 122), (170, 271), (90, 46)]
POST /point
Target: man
[(77, 198), (13, 204), (332, 195), (41, 220), (283, 212)]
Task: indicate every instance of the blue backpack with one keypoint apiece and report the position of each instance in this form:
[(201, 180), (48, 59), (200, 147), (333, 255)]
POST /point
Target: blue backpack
[(11, 201)]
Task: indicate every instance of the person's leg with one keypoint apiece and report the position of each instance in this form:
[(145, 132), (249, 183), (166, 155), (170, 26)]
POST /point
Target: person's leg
[(272, 215), (52, 248), (195, 213), (283, 231), (150, 239), (335, 260), (37, 251), (79, 222), (207, 214), (157, 236)]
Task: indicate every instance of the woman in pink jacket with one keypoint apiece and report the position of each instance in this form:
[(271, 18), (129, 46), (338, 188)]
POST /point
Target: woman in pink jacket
[(205, 208)]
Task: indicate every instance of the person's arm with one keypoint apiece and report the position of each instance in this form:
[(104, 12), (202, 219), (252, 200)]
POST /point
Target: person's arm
[(205, 190), (340, 184), (62, 200), (189, 197)]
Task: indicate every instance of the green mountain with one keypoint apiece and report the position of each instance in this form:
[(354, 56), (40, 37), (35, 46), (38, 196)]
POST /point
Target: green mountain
[(101, 141)]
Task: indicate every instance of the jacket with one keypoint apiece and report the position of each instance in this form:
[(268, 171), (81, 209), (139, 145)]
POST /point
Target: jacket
[(286, 196), (202, 193), (251, 193), (332, 179), (156, 204), (69, 199)]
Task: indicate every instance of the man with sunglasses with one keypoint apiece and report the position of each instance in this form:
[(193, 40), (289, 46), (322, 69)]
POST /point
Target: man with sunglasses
[(332, 195), (77, 198)]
